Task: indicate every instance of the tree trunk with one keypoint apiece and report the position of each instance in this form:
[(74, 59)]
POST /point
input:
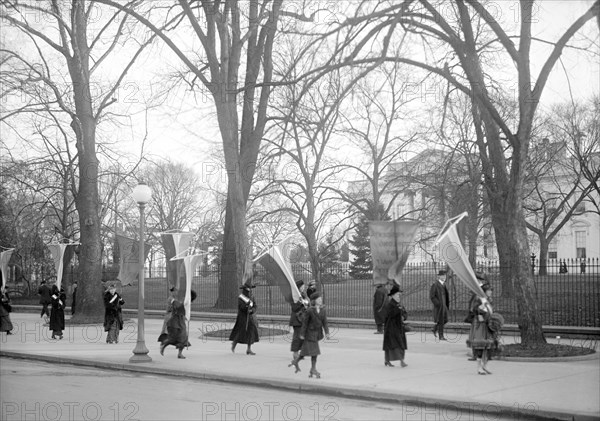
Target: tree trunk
[(543, 257), (513, 247), (91, 306), (228, 285)]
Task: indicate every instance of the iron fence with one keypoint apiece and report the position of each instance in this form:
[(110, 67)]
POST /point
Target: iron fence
[(568, 298), (567, 295)]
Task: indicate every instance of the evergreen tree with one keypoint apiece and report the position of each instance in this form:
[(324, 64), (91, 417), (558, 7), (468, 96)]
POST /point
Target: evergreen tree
[(362, 265)]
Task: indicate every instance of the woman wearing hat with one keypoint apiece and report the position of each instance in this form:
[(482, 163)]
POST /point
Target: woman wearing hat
[(168, 312), (245, 330), (57, 313), (296, 318), (481, 338), (113, 318), (177, 333), (315, 322), (394, 333)]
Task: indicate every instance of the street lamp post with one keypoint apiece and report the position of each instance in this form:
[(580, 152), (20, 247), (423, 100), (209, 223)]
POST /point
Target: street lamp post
[(142, 195)]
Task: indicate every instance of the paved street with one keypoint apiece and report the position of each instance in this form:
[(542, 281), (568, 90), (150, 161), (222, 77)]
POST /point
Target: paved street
[(41, 391)]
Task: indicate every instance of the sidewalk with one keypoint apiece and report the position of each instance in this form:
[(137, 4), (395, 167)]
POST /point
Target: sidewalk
[(439, 380)]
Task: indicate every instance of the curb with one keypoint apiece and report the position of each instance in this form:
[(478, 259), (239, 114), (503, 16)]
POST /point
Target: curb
[(422, 402)]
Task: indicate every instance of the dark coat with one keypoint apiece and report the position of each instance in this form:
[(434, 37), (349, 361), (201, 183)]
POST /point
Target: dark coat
[(394, 334), (44, 293), (481, 337), (297, 309), (74, 301), (438, 294), (380, 300), (112, 310), (245, 330), (57, 314), (177, 333), (314, 324)]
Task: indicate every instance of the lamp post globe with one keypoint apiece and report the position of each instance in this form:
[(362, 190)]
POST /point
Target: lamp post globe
[(142, 195)]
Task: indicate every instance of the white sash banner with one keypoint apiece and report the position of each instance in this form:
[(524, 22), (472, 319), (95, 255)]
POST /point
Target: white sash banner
[(177, 244), (452, 252), (4, 259), (58, 252), (280, 272)]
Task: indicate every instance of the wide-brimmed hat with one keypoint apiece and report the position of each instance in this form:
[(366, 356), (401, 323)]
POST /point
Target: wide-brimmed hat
[(487, 287), (299, 283), (441, 272), (394, 290), (314, 296), (480, 276)]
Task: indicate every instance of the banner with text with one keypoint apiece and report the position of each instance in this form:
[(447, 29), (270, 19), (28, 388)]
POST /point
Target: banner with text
[(391, 242), (129, 251)]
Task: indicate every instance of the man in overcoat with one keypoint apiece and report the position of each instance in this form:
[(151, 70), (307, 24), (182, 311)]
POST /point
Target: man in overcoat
[(438, 294)]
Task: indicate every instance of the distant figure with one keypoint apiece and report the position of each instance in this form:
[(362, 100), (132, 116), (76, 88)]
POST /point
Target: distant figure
[(312, 287), (313, 326), (582, 266), (438, 294), (57, 315), (245, 330), (380, 299), (74, 298), (44, 293), (563, 268), (5, 309), (113, 317), (177, 333), (394, 333)]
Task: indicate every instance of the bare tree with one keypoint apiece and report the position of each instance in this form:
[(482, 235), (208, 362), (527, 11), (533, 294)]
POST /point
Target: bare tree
[(465, 35), (226, 32), (67, 53)]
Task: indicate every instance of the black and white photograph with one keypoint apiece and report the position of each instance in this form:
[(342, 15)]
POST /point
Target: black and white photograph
[(332, 210)]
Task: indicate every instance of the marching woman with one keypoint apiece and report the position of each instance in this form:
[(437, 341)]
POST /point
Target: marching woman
[(298, 313), (245, 330), (168, 312), (57, 312), (177, 332), (394, 331), (315, 322), (113, 318), (482, 339), (5, 309)]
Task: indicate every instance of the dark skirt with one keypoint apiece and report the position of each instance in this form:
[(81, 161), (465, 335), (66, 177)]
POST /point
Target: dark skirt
[(395, 354), (245, 330), (310, 349), (296, 341), (57, 320), (5, 323), (177, 334)]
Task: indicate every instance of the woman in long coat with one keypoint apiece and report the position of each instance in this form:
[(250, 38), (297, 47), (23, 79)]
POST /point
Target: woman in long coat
[(5, 309), (57, 312), (394, 333), (168, 313), (296, 318), (481, 338), (245, 330), (113, 318), (177, 332), (313, 326)]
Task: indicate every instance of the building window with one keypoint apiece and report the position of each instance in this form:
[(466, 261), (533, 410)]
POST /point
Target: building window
[(580, 244), (553, 249)]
